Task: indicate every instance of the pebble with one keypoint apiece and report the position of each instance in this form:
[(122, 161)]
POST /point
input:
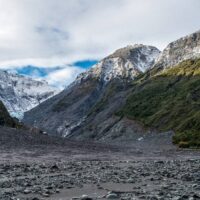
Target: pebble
[(85, 197), (149, 179), (27, 191), (112, 195)]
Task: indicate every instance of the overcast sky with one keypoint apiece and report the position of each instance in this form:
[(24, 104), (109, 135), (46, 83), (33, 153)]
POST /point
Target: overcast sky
[(49, 33)]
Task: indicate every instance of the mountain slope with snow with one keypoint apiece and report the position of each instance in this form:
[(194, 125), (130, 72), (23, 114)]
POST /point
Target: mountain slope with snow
[(185, 48), (99, 102), (66, 112), (127, 62), (20, 94), (164, 98)]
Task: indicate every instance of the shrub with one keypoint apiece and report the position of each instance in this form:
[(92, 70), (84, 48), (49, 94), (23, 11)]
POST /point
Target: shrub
[(190, 138), (182, 144)]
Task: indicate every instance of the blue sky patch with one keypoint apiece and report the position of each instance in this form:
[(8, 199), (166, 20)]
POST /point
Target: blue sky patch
[(34, 71), (85, 63)]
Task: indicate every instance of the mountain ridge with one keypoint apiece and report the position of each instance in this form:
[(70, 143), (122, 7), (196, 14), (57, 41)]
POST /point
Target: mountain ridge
[(169, 100), (20, 93), (125, 62), (87, 108), (187, 47), (66, 111)]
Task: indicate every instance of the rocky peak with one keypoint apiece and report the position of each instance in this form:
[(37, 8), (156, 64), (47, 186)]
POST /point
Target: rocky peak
[(20, 94), (187, 47), (127, 62), (70, 109)]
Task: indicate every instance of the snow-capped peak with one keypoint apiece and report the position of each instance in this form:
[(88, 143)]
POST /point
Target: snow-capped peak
[(20, 94), (126, 62), (187, 47)]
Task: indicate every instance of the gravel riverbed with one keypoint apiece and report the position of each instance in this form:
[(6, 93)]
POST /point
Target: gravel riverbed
[(145, 169)]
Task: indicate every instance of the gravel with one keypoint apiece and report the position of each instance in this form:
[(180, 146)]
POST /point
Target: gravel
[(67, 170)]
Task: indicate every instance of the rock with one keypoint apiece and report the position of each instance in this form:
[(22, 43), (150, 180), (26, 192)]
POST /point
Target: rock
[(85, 197), (184, 196), (186, 177), (57, 190), (45, 195), (150, 197), (54, 167), (112, 195), (159, 162), (196, 196), (27, 191), (130, 180), (191, 198)]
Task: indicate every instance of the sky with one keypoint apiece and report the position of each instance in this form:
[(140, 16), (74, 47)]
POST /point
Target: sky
[(58, 39)]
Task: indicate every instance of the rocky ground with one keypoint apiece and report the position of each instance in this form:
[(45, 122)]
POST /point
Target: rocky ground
[(54, 169)]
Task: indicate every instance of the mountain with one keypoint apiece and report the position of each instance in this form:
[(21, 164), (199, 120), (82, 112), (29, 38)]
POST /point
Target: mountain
[(169, 100), (67, 113), (126, 63), (168, 96), (129, 94), (185, 48), (20, 94)]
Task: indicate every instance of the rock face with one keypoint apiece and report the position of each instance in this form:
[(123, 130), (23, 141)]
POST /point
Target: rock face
[(182, 49), (20, 94), (96, 94), (126, 63)]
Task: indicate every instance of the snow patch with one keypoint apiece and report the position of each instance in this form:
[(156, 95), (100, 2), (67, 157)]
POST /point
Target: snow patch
[(20, 94), (115, 66)]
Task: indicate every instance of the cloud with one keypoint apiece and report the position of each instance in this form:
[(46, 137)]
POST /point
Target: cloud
[(58, 77), (63, 77), (49, 33)]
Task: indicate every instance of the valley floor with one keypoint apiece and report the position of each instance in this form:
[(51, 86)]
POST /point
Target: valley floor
[(54, 169)]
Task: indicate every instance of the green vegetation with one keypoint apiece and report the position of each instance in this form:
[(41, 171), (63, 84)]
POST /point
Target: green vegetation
[(187, 139), (5, 119), (169, 100)]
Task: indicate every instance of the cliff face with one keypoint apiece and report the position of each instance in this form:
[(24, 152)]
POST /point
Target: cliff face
[(182, 49)]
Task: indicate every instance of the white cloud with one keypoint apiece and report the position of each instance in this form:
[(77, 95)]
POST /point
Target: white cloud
[(63, 77), (49, 33)]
